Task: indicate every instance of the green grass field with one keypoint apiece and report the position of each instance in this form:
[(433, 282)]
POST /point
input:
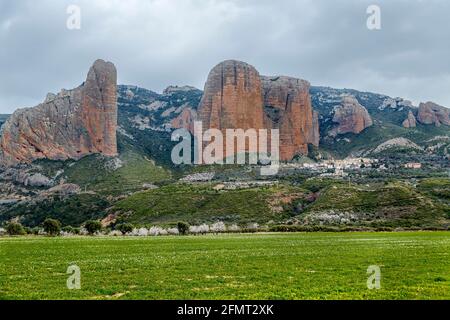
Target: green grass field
[(414, 265)]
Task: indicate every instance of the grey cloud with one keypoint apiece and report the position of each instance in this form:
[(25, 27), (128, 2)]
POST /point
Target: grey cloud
[(162, 42)]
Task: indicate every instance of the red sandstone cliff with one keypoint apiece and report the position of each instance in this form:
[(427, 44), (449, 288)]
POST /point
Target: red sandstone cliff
[(232, 98), (410, 121), (288, 108), (185, 120), (431, 113), (69, 125), (350, 117), (237, 97)]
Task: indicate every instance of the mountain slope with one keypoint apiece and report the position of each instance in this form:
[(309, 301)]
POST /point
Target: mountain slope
[(145, 121), (70, 125), (393, 205), (388, 115)]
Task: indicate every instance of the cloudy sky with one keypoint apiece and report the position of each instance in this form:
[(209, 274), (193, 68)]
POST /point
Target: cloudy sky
[(156, 43)]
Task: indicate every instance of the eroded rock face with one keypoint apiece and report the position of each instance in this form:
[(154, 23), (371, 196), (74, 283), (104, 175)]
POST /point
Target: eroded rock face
[(351, 117), (232, 98), (173, 89), (185, 120), (237, 97), (432, 113), (410, 121), (69, 125), (99, 109), (287, 107)]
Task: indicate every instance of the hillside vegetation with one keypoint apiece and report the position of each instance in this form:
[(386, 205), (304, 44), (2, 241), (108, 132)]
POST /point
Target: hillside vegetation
[(391, 205), (201, 203), (314, 202)]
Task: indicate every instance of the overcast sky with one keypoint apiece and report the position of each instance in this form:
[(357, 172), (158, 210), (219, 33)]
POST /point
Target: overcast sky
[(175, 42)]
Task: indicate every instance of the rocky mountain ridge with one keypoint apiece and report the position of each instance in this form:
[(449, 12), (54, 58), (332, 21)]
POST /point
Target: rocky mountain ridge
[(410, 121), (69, 125), (432, 113), (75, 190), (81, 121)]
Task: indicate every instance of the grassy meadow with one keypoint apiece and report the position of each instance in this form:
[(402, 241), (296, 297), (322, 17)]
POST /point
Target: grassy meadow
[(414, 265)]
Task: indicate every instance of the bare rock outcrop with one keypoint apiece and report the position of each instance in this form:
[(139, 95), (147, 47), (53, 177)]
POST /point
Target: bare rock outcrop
[(351, 117), (99, 109), (185, 120), (432, 113), (287, 106), (69, 125), (397, 143), (232, 98), (63, 189), (410, 121), (237, 97), (173, 89), (26, 178)]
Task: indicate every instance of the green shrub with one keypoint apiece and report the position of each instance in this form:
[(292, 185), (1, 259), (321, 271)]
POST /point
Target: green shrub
[(92, 226), (68, 229), (52, 226), (15, 229), (35, 230), (124, 228), (183, 227)]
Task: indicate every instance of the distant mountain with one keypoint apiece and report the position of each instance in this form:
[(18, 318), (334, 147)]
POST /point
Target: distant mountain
[(236, 91), (145, 112), (334, 122), (388, 116), (146, 118), (113, 186)]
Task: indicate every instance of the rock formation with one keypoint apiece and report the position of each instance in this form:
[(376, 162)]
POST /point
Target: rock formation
[(99, 109), (396, 143), (232, 98), (287, 107), (237, 97), (351, 117), (173, 89), (69, 125), (410, 121), (431, 113), (315, 132), (185, 120)]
